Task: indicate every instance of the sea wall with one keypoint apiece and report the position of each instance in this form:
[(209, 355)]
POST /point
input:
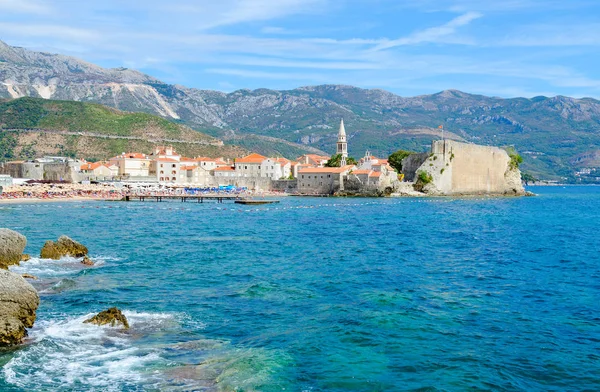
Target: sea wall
[(456, 168), (254, 183), (41, 171), (289, 186)]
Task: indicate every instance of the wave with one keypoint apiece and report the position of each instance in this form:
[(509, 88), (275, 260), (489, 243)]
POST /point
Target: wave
[(47, 268), (68, 354)]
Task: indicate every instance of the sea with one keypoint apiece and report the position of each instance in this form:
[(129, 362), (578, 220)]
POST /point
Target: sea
[(316, 294)]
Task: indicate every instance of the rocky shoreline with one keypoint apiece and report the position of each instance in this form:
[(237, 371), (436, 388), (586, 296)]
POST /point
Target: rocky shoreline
[(19, 300)]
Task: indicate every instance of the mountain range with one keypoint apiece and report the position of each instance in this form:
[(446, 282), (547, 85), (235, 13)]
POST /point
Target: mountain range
[(557, 136)]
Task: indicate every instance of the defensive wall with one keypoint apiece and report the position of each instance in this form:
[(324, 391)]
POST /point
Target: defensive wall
[(457, 168)]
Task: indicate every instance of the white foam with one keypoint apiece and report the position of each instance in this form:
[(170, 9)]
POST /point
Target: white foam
[(68, 354), (66, 266)]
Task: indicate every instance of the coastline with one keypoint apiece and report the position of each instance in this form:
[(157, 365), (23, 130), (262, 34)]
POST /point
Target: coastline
[(35, 200)]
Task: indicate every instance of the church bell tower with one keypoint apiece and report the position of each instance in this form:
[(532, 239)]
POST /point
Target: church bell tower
[(342, 144)]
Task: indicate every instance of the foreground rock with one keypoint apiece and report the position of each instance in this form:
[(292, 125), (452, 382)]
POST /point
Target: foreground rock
[(65, 246), (12, 245), (18, 303), (112, 317)]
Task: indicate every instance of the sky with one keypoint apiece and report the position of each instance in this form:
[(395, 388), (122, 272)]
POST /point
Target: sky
[(504, 48)]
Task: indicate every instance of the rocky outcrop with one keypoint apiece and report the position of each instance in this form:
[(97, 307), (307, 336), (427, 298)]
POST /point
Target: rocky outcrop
[(18, 303), (86, 261), (12, 245), (112, 317), (65, 246), (411, 164), (462, 169)]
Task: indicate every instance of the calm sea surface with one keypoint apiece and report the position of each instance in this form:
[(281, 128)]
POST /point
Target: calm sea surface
[(317, 295)]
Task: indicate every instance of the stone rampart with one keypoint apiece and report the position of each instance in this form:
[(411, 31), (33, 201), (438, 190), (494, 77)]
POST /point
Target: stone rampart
[(457, 168)]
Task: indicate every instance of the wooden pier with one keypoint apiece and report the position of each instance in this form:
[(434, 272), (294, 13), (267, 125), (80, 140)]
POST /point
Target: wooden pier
[(183, 198)]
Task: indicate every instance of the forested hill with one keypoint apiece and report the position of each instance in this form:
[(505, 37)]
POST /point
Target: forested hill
[(31, 127)]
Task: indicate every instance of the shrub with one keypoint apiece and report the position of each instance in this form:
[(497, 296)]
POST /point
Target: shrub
[(515, 160), (424, 178)]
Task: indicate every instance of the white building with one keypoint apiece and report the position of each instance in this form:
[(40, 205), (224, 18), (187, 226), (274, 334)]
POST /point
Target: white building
[(132, 164)]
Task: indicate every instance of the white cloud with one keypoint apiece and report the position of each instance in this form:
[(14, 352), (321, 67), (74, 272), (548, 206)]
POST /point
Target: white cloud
[(49, 30), (441, 33), (24, 7), (261, 10)]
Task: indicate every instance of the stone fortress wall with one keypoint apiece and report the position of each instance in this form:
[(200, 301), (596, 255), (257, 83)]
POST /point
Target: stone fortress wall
[(468, 169)]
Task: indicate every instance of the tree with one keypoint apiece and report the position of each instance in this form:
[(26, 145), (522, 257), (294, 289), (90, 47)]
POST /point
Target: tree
[(527, 178), (336, 159), (395, 160)]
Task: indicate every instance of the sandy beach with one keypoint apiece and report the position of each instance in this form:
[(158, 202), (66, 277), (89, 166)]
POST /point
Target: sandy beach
[(33, 193)]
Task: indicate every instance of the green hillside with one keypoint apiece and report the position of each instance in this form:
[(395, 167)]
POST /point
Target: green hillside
[(94, 131)]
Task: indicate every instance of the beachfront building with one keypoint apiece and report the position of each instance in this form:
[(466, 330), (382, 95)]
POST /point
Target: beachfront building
[(167, 169), (195, 175), (99, 170), (249, 166), (322, 180), (276, 168), (224, 172), (132, 164)]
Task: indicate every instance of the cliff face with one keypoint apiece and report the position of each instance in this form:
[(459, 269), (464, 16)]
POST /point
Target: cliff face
[(455, 168)]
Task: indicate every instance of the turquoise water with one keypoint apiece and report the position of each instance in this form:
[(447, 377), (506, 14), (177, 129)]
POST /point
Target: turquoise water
[(318, 295)]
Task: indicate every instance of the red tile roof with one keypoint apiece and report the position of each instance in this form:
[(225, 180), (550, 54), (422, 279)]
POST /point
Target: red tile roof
[(252, 158), (225, 168), (134, 155)]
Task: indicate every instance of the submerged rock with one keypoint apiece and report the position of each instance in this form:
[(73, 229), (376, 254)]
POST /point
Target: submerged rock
[(12, 245), (18, 303), (112, 317), (86, 261), (25, 257), (65, 246)]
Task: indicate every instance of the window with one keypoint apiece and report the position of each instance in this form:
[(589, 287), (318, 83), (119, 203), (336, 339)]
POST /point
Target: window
[(173, 178), (303, 176), (329, 176), (161, 165), (245, 167), (321, 177), (173, 165), (173, 172), (162, 172)]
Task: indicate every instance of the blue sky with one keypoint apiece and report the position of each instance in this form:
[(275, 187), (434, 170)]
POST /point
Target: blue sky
[(504, 48)]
